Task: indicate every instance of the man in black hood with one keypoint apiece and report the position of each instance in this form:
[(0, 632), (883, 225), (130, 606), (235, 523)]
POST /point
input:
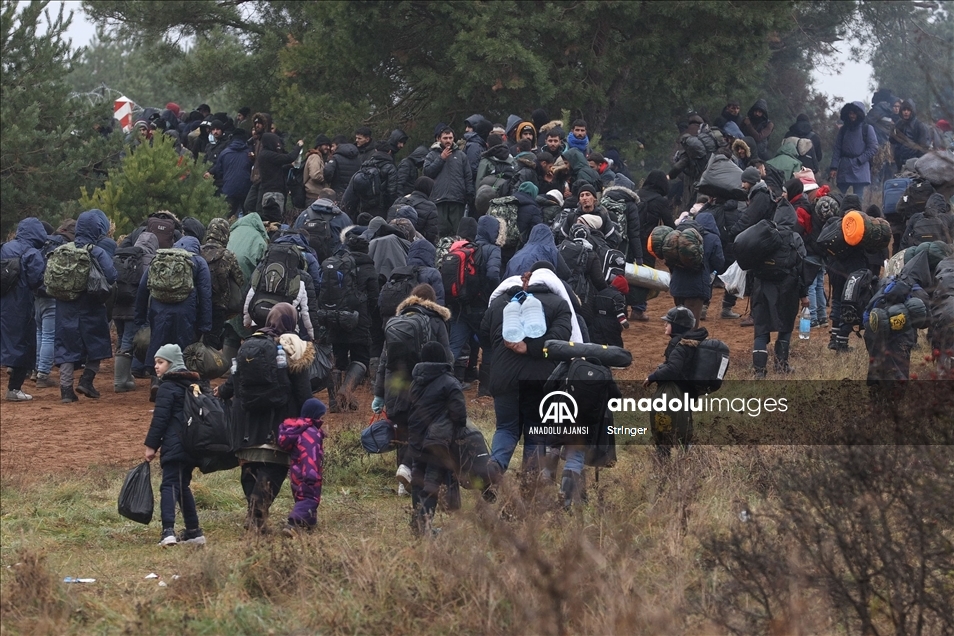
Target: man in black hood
[(911, 138), (758, 126), (397, 139), (475, 138), (802, 129)]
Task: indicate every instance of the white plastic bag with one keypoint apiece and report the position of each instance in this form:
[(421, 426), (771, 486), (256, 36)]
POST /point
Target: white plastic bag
[(734, 279)]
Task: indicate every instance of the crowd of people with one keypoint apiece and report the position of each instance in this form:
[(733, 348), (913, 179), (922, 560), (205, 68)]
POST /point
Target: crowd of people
[(345, 262)]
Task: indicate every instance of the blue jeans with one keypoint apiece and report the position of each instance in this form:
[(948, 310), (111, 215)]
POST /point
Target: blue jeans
[(816, 297), (857, 188), (45, 314), (515, 412), (575, 457)]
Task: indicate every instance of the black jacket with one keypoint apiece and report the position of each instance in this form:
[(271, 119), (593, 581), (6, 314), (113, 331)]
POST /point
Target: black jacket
[(409, 170), (341, 167), (271, 166), (632, 249), (761, 206), (168, 418), (680, 356), (352, 204), (438, 411), (654, 207), (428, 224)]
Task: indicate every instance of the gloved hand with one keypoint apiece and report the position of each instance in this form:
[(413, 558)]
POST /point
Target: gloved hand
[(621, 284), (377, 404)]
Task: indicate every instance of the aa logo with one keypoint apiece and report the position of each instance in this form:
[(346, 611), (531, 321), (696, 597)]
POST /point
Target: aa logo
[(558, 407)]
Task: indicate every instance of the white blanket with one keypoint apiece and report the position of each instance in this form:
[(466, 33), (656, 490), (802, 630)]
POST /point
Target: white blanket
[(554, 284)]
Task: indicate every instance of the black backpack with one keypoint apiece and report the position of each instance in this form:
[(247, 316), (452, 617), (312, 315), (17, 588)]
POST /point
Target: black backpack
[(295, 184), (925, 229), (366, 184), (9, 274), (709, 365), (404, 338), (592, 385), (129, 271), (339, 283), (784, 262), (207, 431), (277, 279), (914, 199), (576, 255), (318, 224), (462, 273), (859, 289), (398, 287), (263, 386)]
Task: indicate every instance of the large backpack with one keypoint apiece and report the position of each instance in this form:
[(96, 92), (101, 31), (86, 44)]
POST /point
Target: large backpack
[(339, 283), (914, 199), (226, 293), (591, 385), (461, 273), (859, 289), (295, 184), (891, 195), (494, 186), (683, 248), (67, 272), (277, 279), (709, 365), (757, 243), (404, 337), (783, 262), (926, 229), (575, 254), (617, 211), (170, 276), (207, 434), (9, 274), (398, 287), (505, 209), (263, 386), (129, 270), (318, 224), (164, 228), (366, 184)]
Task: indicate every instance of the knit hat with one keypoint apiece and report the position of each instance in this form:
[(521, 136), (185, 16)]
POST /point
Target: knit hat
[(807, 177), (586, 187), (751, 175), (556, 195), (424, 184), (322, 140), (313, 409), (529, 188), (467, 228), (173, 354), (433, 352), (594, 221), (851, 202), (438, 129)]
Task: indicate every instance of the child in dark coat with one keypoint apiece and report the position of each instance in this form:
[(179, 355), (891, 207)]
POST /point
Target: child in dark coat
[(680, 356), (164, 434), (303, 440)]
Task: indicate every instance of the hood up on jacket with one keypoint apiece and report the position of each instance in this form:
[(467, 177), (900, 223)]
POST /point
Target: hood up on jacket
[(762, 105), (657, 182), (189, 244), (512, 122), (480, 124), (91, 227), (909, 103), (252, 221), (489, 231), (348, 150), (801, 128), (193, 227), (421, 253), (416, 301), (218, 232), (30, 230), (708, 222), (858, 108), (620, 193), (935, 206), (789, 149), (418, 156), (397, 136), (149, 243)]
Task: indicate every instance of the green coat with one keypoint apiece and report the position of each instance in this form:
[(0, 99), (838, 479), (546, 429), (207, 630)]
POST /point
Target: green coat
[(248, 240), (786, 160)]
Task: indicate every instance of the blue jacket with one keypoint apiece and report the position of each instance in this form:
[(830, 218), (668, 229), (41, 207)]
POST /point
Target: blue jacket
[(422, 254), (697, 283), (82, 329), (168, 418), (540, 247), (338, 223), (178, 323), (17, 328), (488, 229), (852, 156), (234, 168), (528, 214)]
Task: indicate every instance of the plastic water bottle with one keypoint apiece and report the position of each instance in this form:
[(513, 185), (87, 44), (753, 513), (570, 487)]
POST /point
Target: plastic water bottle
[(234, 365), (512, 325), (281, 358), (805, 324), (531, 315)]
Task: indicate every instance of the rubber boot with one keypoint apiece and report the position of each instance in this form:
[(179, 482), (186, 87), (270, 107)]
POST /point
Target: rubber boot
[(759, 360), (85, 385), (781, 357), (352, 378), (68, 395), (333, 381), (122, 374), (484, 378)]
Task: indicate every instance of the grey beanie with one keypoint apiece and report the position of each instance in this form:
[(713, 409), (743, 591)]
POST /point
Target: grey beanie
[(751, 175), (173, 354)]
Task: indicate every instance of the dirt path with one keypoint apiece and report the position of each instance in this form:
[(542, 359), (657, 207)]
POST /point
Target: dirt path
[(44, 435)]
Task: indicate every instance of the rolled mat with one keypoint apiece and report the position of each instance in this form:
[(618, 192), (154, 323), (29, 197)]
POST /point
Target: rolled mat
[(647, 277), (869, 232), (656, 239), (608, 355)]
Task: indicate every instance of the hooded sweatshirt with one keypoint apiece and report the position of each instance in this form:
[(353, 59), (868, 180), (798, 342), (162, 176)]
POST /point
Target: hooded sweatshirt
[(911, 138), (421, 254), (539, 247)]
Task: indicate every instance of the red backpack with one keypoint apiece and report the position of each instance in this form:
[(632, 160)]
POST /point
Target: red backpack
[(461, 273)]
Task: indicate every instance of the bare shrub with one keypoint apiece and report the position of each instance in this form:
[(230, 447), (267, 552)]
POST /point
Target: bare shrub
[(31, 594)]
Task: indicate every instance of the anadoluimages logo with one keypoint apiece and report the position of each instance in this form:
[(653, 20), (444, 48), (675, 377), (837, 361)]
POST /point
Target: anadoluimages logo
[(558, 407)]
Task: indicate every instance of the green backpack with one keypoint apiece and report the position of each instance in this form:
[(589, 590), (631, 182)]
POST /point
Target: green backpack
[(504, 209), (67, 272), (170, 276)]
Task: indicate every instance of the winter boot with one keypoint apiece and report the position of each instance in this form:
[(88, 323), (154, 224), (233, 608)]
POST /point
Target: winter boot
[(334, 386), (728, 314), (781, 357), (122, 374), (705, 312), (759, 360), (550, 464), (484, 378), (838, 342), (153, 388), (352, 378), (571, 487), (68, 395), (85, 385)]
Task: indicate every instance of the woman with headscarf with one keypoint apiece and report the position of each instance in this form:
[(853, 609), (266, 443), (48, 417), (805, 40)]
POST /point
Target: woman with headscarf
[(264, 465)]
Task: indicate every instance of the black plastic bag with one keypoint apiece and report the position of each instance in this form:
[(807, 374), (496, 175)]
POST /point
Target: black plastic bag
[(135, 497)]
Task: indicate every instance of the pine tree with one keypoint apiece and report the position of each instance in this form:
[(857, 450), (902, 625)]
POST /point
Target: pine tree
[(153, 177)]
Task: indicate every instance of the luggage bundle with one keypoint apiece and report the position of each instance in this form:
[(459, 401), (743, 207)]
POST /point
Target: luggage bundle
[(205, 361), (710, 365), (756, 244), (645, 276), (868, 232), (679, 248), (832, 238), (607, 355), (859, 289)]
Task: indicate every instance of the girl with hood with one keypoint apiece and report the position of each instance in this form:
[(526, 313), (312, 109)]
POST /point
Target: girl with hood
[(264, 465), (82, 328), (303, 439), (855, 146)]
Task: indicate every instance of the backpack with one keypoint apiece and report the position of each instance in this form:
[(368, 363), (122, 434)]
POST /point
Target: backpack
[(398, 287), (295, 184), (404, 337), (575, 254), (9, 274), (207, 430), (617, 212), (461, 273), (592, 385), (859, 289), (318, 224), (757, 243), (170, 276), (67, 271), (164, 228), (494, 186), (129, 271), (223, 284), (277, 279), (263, 385), (505, 209), (782, 263), (683, 249), (378, 437), (366, 184), (914, 199), (891, 195), (926, 229), (339, 282), (709, 365)]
